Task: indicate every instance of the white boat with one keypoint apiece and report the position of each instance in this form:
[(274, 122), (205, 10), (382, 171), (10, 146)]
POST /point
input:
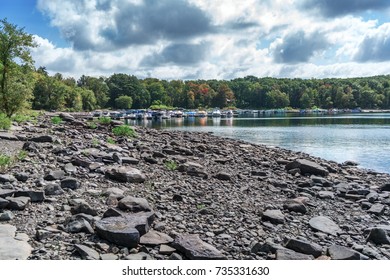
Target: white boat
[(216, 113)]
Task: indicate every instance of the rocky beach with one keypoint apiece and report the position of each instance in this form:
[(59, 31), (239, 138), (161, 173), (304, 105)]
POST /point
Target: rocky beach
[(80, 192)]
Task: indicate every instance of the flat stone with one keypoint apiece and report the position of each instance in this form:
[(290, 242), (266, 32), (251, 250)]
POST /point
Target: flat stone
[(326, 194), (83, 208), (6, 193), (13, 247), (70, 183), (304, 247), (273, 216), (377, 209), (134, 204), (79, 225), (286, 254), (166, 250), (193, 169), (55, 175), (53, 189), (337, 252), (8, 136), (3, 203), (108, 257), (385, 187), (155, 238), (378, 236), (129, 160), (87, 252), (224, 176), (324, 224), (307, 166), (6, 216), (125, 174), (70, 168), (7, 178), (43, 139), (195, 248), (125, 230), (295, 206), (139, 257), (22, 176), (18, 203), (35, 196)]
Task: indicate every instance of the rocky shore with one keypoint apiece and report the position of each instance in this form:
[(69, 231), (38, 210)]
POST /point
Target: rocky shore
[(74, 194)]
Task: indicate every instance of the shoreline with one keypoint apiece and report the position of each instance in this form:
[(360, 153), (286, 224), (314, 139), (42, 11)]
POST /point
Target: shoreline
[(197, 190)]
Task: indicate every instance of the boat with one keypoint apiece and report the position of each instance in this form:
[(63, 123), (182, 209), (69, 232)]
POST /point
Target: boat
[(216, 113), (201, 114)]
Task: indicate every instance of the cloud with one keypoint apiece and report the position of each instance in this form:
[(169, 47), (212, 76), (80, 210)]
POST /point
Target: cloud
[(335, 8), (179, 54), (298, 47), (375, 46)]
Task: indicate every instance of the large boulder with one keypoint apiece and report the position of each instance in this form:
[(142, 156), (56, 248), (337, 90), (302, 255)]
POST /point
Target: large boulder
[(13, 246), (307, 167), (125, 174)]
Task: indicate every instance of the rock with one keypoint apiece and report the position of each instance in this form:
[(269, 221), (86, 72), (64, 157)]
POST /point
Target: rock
[(377, 209), (267, 247), (53, 189), (193, 169), (87, 252), (322, 181), (224, 176), (7, 178), (273, 216), (175, 257), (67, 117), (166, 250), (295, 206), (350, 163), (134, 204), (18, 203), (112, 212), (114, 192), (195, 249), (79, 225), (6, 216), (324, 224), (70, 168), (326, 195), (139, 257), (43, 139), (125, 174), (8, 136), (13, 246), (22, 176), (337, 252), (108, 257), (30, 147), (385, 187), (6, 193), (286, 254), (35, 196), (54, 175), (304, 247), (3, 203), (155, 238), (378, 236), (307, 166), (83, 208), (70, 183), (130, 160), (125, 230)]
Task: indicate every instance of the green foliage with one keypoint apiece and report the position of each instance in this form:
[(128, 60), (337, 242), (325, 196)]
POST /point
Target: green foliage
[(21, 118), (160, 107), (5, 122), (200, 206), (92, 125), (124, 130), (104, 120), (22, 155), (95, 142), (171, 165), (123, 102), (110, 140), (5, 161), (56, 120)]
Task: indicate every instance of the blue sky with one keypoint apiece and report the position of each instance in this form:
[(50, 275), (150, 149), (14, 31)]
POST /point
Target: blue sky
[(207, 39)]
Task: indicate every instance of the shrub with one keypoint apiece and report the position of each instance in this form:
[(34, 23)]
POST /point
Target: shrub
[(5, 122), (110, 140), (171, 165), (5, 161), (104, 120), (92, 125), (56, 120), (21, 118), (22, 155), (124, 130)]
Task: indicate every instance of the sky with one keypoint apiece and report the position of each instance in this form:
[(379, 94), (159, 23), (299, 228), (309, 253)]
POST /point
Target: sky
[(207, 39)]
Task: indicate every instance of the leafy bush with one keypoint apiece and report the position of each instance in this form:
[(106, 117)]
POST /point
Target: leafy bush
[(171, 165), (5, 161), (124, 130), (56, 120), (110, 140), (105, 120), (92, 125), (5, 122), (22, 155), (21, 118)]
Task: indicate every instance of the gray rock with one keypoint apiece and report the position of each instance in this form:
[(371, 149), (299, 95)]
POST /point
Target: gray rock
[(273, 216), (18, 203), (87, 252), (53, 189), (337, 252), (193, 169), (307, 166), (67, 117), (79, 225), (3, 203), (324, 224), (286, 254), (6, 216), (139, 257), (130, 160), (155, 238), (6, 193), (304, 247), (295, 206), (43, 139), (70, 168), (224, 176), (125, 174), (134, 204), (326, 194), (385, 187), (13, 246), (83, 208), (31, 147), (35, 196), (125, 230), (166, 250), (195, 249), (22, 176), (108, 257), (54, 175), (70, 183), (112, 212), (175, 257), (378, 236), (377, 209), (7, 178)]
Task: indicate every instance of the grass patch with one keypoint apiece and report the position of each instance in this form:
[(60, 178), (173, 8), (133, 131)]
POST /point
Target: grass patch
[(56, 120), (170, 165), (124, 130), (92, 125), (22, 155), (95, 142), (21, 118), (5, 122), (104, 120), (200, 206), (5, 161), (110, 140)]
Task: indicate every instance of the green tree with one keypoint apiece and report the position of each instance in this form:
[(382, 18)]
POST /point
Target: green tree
[(15, 90), (99, 88), (123, 102)]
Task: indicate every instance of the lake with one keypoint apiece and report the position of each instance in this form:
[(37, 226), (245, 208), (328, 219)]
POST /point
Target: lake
[(364, 137)]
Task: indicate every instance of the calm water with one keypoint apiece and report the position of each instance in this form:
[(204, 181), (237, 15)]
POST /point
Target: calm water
[(364, 138)]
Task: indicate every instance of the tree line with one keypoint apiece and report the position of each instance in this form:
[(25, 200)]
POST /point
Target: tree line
[(23, 86)]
